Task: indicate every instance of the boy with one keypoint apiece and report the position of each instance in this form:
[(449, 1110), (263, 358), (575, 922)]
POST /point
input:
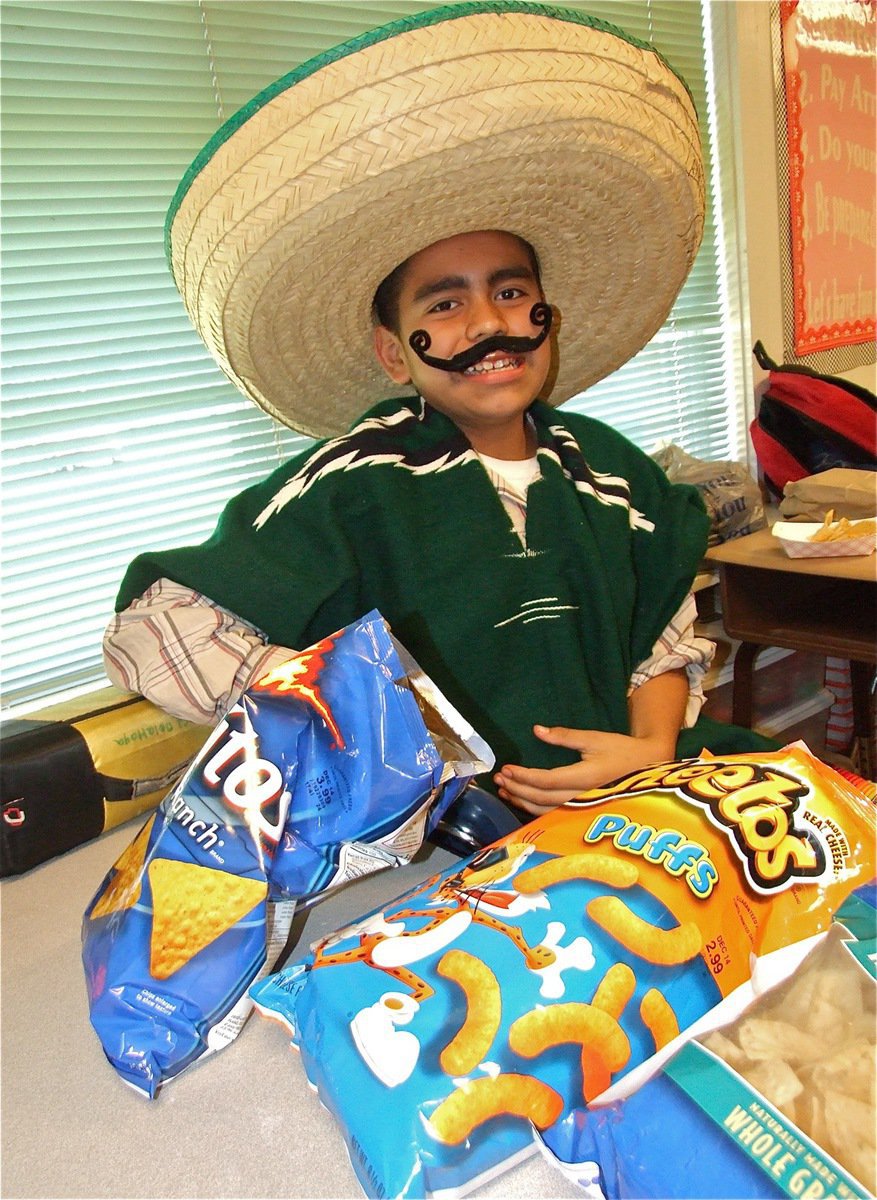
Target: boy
[(538, 567)]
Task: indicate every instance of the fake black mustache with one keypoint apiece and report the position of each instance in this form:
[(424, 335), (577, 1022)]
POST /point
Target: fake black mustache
[(540, 315)]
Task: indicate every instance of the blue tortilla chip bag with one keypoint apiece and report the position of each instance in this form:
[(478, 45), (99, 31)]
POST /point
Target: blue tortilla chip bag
[(323, 771)]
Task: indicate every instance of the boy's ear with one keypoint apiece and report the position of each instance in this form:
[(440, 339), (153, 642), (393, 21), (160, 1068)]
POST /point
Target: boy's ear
[(388, 350)]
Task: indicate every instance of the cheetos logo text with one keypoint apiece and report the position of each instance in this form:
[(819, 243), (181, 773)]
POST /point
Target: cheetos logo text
[(757, 804)]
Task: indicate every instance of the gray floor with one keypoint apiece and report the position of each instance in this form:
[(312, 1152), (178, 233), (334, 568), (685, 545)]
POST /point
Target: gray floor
[(244, 1123)]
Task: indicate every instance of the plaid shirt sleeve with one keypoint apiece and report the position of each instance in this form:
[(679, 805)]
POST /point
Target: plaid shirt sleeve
[(679, 648), (185, 653)]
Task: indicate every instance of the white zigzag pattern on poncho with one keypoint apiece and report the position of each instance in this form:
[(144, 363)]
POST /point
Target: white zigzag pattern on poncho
[(339, 455), (607, 489)]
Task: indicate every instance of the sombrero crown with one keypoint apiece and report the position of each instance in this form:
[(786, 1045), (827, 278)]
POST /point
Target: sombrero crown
[(516, 116)]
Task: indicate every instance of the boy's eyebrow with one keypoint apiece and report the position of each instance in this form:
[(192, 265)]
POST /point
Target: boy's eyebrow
[(506, 273), (459, 282), (433, 286)]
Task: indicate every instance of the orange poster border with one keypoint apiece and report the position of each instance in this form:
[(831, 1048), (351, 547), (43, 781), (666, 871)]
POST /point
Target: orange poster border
[(807, 339)]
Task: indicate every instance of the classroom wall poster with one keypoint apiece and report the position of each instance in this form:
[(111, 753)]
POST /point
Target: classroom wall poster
[(830, 72)]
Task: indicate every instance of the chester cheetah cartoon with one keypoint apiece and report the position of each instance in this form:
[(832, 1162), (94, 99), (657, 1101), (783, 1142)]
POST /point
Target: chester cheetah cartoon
[(477, 893)]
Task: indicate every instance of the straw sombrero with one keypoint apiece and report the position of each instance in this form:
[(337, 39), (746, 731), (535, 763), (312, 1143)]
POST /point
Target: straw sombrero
[(516, 116)]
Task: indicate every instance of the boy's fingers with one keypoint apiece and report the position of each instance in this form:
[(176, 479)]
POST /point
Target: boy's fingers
[(536, 790), (560, 735), (542, 779), (534, 801)]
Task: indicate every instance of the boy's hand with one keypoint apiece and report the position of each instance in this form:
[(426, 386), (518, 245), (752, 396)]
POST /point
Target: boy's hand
[(605, 756)]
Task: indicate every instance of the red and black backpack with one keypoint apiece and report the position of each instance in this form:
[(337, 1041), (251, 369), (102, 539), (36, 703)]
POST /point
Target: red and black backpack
[(807, 423)]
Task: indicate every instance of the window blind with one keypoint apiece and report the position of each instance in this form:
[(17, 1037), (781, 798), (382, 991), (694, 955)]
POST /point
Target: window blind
[(119, 432)]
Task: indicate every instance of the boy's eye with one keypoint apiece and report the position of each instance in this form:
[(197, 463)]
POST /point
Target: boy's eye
[(442, 306), (510, 293)]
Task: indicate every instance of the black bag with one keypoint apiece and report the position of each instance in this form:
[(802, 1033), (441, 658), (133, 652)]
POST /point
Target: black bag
[(80, 768), (807, 423)]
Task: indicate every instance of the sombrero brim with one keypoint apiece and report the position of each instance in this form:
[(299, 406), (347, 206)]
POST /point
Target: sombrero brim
[(539, 121)]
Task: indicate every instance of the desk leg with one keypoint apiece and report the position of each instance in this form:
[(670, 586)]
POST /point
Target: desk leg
[(741, 688), (861, 679)]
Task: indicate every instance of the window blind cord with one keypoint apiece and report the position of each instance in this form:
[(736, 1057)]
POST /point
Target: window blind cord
[(211, 61)]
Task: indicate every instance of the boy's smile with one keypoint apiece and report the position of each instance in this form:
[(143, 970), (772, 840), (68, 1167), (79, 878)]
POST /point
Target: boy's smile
[(462, 291)]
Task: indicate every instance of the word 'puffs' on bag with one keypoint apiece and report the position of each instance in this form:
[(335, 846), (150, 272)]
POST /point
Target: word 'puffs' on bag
[(325, 770), (560, 967), (778, 1103)]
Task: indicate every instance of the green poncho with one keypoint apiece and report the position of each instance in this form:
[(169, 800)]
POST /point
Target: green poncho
[(400, 515)]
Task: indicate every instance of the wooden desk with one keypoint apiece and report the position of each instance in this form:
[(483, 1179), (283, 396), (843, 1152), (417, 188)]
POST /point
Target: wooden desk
[(822, 605)]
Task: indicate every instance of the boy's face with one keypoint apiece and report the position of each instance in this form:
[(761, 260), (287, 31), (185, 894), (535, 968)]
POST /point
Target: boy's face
[(462, 291)]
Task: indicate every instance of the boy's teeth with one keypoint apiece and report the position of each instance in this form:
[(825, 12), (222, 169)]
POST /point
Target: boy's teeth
[(484, 366)]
